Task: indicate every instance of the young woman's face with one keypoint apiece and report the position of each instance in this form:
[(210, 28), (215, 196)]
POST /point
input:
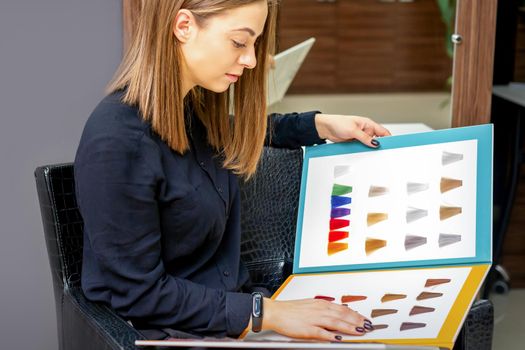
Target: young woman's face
[(216, 54)]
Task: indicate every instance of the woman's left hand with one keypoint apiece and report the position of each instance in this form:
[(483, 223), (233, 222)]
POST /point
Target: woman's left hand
[(341, 128)]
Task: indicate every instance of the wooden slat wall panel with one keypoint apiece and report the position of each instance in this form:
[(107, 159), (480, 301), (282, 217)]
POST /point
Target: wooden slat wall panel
[(366, 45), (376, 46), (300, 20), (421, 62)]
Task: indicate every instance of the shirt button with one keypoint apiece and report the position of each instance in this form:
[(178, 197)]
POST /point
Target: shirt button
[(226, 273), (219, 189), (202, 164)]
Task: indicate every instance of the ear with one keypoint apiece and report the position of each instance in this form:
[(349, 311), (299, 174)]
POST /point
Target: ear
[(184, 25)]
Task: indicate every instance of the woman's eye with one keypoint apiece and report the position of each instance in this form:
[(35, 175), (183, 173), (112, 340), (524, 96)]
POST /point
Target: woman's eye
[(238, 44)]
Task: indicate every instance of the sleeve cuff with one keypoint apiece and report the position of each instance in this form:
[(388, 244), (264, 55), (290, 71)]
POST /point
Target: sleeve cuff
[(238, 311), (307, 130)]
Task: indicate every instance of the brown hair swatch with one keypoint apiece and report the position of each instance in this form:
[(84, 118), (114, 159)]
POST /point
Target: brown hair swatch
[(376, 191), (448, 184), (411, 325), (431, 282), (380, 326), (382, 312), (446, 212), (372, 244), (391, 297), (428, 295), (416, 310)]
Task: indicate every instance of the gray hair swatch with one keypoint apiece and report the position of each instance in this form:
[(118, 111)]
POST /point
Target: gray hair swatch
[(448, 239), (415, 187), (414, 214), (449, 158), (412, 241)]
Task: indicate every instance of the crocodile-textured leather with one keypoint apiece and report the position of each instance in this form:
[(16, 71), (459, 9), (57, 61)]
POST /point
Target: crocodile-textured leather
[(269, 202), (269, 212), (81, 324), (477, 330)]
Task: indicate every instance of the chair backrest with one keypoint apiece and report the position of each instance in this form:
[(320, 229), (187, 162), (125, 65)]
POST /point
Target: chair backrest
[(63, 225), (268, 204)]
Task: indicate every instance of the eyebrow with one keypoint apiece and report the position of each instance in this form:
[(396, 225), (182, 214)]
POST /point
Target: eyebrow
[(245, 29)]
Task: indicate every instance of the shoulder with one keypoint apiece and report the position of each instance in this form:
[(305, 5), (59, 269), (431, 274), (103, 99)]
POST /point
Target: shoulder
[(112, 128)]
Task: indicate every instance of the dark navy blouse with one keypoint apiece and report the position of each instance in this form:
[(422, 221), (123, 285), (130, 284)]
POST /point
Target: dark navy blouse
[(162, 230)]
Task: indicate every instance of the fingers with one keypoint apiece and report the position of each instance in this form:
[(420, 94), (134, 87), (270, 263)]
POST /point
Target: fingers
[(365, 138)]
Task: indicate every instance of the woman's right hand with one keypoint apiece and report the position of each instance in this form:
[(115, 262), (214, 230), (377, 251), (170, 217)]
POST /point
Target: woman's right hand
[(313, 319)]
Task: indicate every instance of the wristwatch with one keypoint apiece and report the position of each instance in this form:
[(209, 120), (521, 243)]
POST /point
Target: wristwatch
[(257, 311)]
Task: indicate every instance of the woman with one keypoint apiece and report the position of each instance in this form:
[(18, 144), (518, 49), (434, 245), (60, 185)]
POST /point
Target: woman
[(156, 174)]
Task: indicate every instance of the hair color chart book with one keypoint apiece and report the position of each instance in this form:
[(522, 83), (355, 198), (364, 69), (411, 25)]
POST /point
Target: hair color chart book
[(402, 233)]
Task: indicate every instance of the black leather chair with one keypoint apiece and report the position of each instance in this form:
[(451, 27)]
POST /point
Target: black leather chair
[(269, 211)]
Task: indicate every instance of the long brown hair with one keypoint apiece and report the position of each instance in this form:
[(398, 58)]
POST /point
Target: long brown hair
[(150, 73)]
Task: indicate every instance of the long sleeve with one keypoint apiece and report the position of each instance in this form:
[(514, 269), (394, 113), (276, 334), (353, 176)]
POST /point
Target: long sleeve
[(292, 130), (118, 179)]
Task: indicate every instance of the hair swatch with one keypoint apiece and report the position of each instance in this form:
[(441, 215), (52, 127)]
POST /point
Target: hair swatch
[(380, 326), (335, 236), (436, 281), (391, 297), (428, 295), (352, 298), (336, 224), (448, 184), (416, 310), (411, 325), (372, 244), (339, 212), (341, 170), (340, 190), (374, 218), (339, 201), (448, 239), (448, 212), (324, 297), (376, 191), (412, 241), (415, 187), (449, 158), (336, 247), (414, 214), (382, 312)]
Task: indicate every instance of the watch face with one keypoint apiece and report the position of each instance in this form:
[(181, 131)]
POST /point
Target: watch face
[(257, 305)]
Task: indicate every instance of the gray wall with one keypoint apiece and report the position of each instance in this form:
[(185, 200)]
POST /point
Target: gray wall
[(56, 57)]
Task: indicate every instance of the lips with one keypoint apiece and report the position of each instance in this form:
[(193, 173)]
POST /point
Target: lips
[(233, 77)]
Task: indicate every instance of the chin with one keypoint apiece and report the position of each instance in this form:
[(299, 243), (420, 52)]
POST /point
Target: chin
[(218, 87)]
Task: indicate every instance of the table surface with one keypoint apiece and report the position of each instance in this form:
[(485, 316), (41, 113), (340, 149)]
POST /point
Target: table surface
[(406, 128)]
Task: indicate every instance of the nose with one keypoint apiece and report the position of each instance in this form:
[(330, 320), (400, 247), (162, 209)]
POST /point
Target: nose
[(248, 59)]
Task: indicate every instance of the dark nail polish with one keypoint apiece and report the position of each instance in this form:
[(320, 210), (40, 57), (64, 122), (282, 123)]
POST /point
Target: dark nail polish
[(368, 321), (360, 329), (368, 327), (375, 142), (338, 337)]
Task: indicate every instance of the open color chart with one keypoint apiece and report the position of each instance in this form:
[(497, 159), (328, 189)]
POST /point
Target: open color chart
[(402, 234)]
